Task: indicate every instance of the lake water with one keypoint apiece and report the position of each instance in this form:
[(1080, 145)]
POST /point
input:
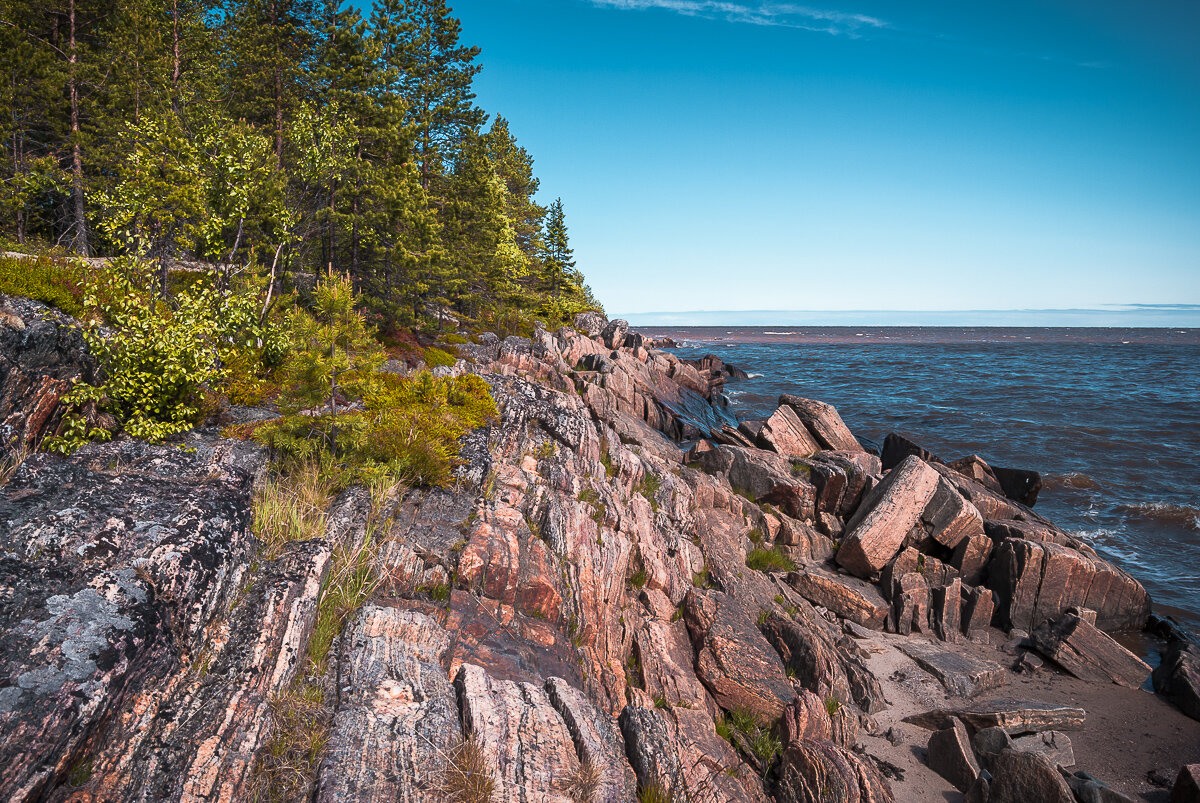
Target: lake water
[(1110, 417)]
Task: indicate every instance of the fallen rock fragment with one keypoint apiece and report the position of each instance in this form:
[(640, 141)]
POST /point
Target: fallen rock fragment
[(950, 756), (1090, 789), (1088, 653), (960, 673), (1178, 676), (1187, 785), (1019, 777), (784, 433), (946, 609), (977, 612), (1055, 745), (1014, 716), (988, 742)]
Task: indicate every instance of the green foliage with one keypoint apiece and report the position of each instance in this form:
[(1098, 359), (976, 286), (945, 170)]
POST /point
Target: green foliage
[(832, 706), (744, 729), (160, 356), (769, 560), (648, 487), (55, 282), (639, 579), (437, 358), (653, 793)]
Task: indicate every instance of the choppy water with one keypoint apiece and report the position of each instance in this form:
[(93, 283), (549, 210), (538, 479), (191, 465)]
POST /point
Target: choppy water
[(1110, 417)]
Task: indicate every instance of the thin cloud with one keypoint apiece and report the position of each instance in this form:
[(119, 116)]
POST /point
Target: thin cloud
[(779, 15)]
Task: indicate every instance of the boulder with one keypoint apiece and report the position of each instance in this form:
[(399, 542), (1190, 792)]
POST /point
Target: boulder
[(848, 597), (1088, 653), (763, 477), (977, 611), (931, 570), (946, 611), (877, 532), (785, 434), (614, 332), (1019, 777), (1018, 484), (988, 742), (949, 518), (960, 673), (949, 754), (971, 556), (1187, 785), (733, 659), (1055, 745), (897, 447), (1090, 789), (810, 648), (1035, 582), (824, 422), (1014, 716), (910, 605), (976, 468), (1178, 676)]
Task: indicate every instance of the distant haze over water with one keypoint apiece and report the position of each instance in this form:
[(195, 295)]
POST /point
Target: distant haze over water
[(1128, 315), (1109, 416)]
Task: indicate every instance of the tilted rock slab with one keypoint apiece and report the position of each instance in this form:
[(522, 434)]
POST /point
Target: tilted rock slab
[(1022, 777), (878, 531), (823, 421), (849, 598), (784, 433), (1035, 582), (960, 673), (1014, 716), (1089, 653), (814, 771)]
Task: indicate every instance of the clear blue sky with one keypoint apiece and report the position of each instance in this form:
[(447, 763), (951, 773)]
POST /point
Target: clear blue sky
[(751, 155)]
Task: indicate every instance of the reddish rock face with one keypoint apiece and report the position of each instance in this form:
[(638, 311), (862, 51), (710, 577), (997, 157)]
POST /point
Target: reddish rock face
[(1034, 582), (878, 531), (815, 771), (851, 599), (733, 659)]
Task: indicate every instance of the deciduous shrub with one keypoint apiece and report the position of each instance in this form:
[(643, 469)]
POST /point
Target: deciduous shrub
[(55, 282)]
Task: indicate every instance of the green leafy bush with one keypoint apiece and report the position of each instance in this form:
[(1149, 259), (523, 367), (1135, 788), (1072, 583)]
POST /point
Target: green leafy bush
[(160, 357), (57, 283)]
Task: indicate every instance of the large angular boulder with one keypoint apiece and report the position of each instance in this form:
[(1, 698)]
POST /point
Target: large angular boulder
[(785, 434), (1035, 582), (1022, 777), (824, 422), (1013, 716), (1178, 676), (763, 477), (878, 531), (1187, 785), (950, 756), (1088, 653), (849, 598)]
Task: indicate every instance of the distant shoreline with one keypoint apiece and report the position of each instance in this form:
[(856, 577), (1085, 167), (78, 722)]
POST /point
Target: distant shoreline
[(1129, 317)]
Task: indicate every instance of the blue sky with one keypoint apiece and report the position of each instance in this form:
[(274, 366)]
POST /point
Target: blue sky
[(758, 155)]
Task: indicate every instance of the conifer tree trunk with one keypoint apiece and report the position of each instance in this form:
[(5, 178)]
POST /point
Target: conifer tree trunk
[(81, 233), (175, 56), (277, 70)]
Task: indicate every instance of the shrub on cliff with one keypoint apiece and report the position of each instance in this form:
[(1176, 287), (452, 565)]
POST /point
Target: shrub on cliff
[(374, 425), (160, 357)]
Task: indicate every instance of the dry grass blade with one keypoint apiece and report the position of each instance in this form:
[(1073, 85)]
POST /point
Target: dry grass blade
[(583, 782), (12, 462), (299, 732), (291, 507), (466, 778)]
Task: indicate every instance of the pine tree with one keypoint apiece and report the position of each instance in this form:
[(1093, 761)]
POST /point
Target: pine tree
[(559, 259)]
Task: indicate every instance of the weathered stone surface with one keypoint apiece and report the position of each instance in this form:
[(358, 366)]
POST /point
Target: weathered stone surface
[(41, 354), (910, 605), (977, 469), (847, 597), (931, 570), (877, 531), (784, 433), (949, 518), (597, 741), (733, 659), (946, 611), (1187, 785), (1019, 777), (950, 756), (1014, 716), (819, 664), (520, 733), (396, 718), (959, 673), (971, 556), (679, 751), (763, 477), (1088, 653), (815, 771), (1035, 582), (1178, 676), (1055, 745), (590, 323), (115, 561), (977, 611), (897, 447), (988, 742), (1089, 789), (824, 422), (1019, 484)]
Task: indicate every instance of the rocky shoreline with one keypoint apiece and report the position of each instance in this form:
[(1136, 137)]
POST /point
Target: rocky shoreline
[(628, 592)]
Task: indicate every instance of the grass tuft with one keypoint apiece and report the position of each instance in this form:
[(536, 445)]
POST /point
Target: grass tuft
[(769, 560), (653, 793), (298, 733), (466, 778), (291, 507), (583, 782)]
